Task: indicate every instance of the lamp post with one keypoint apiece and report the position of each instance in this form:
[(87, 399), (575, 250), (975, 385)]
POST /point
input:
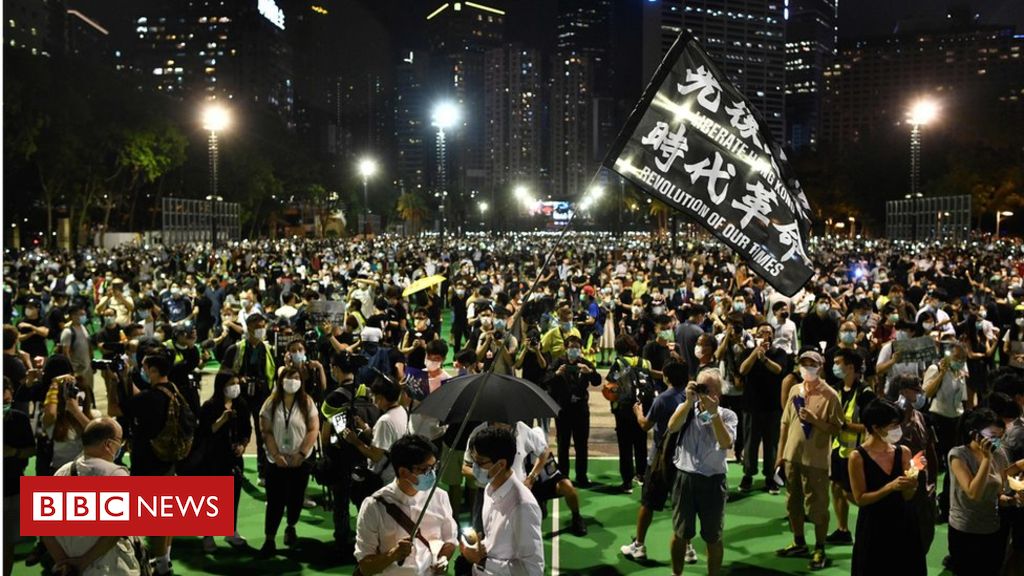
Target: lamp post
[(215, 119), (853, 226), (367, 169), (999, 218), (445, 116), (921, 112)]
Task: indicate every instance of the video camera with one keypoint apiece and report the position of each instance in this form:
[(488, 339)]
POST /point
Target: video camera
[(116, 364)]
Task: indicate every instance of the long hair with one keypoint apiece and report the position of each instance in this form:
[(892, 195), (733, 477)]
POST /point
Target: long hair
[(277, 396), (221, 381)]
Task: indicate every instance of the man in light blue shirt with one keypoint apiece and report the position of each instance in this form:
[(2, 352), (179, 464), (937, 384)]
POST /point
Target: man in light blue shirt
[(701, 491)]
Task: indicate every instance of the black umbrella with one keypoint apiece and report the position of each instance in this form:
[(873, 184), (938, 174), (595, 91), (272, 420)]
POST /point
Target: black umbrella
[(503, 399)]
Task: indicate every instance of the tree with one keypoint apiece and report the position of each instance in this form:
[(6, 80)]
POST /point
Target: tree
[(413, 210)]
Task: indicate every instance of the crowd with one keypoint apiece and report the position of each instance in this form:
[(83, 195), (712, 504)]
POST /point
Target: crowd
[(895, 366)]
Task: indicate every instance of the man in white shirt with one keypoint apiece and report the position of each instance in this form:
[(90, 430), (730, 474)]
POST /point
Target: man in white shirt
[(511, 516), (383, 541), (945, 383), (102, 441), (392, 425)]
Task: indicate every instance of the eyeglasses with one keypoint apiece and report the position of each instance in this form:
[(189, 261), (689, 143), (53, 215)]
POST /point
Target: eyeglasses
[(417, 470)]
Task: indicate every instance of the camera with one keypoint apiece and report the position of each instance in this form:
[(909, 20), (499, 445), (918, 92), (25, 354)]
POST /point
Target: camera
[(115, 364), (701, 389)]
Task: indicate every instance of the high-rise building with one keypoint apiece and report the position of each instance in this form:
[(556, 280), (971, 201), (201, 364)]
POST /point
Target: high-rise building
[(34, 25), (875, 80), (513, 86), (412, 129), (745, 38), (214, 49), (811, 35), (459, 34), (571, 125)]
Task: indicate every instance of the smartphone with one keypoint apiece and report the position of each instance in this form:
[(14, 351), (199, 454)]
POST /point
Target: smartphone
[(339, 421)]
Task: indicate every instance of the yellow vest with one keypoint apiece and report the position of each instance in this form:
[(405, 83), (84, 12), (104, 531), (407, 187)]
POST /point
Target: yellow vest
[(271, 370), (846, 441)]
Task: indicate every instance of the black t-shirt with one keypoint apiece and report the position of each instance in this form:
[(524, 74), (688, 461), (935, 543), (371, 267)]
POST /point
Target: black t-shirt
[(149, 415), (54, 319), (34, 345), (18, 435), (220, 456), (417, 358), (658, 356), (16, 370), (761, 388), (107, 336)]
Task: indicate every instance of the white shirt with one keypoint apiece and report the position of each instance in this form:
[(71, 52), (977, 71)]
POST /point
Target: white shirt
[(949, 400), (898, 369), (529, 441), (288, 427), (512, 521), (377, 532), (391, 426), (785, 337)]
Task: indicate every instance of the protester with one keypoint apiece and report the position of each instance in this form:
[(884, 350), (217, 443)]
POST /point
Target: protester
[(19, 446), (569, 382), (631, 370), (706, 433), (847, 368), (762, 372), (289, 436), (883, 488), (811, 417), (252, 360)]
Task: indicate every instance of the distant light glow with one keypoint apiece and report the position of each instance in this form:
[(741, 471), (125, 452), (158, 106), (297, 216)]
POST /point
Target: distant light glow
[(271, 11), (446, 115), (485, 8), (215, 118), (438, 11), (923, 112), (367, 167)]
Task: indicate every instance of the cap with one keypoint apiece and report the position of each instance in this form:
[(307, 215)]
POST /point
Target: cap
[(588, 290), (908, 383), (812, 355)]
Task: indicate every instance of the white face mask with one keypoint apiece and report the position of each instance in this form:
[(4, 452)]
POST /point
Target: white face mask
[(893, 436), (809, 373), (432, 365), (260, 333), (231, 392), (698, 351), (291, 385)]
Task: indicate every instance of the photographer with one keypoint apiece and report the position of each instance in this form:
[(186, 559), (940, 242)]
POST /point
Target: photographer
[(631, 438), (569, 382), (415, 342), (77, 346), (224, 432), (253, 361), (496, 344), (311, 372), (64, 418)]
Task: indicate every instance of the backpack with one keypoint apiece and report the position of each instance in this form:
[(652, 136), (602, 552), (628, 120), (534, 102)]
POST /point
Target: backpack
[(633, 384), (174, 442)]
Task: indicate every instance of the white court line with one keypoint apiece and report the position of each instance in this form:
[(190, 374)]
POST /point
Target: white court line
[(554, 540)]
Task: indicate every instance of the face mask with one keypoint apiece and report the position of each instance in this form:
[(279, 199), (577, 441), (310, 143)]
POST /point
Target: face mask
[(698, 351), (487, 322), (480, 475), (83, 320), (666, 335), (7, 408), (145, 376), (1019, 322), (175, 292), (928, 325), (231, 392), (979, 325), (499, 325), (893, 436), (739, 306), (838, 372), (809, 373), (920, 401), (460, 293), (246, 303), (956, 366), (298, 357), (990, 433), (426, 481), (894, 318), (291, 385), (902, 336), (260, 333), (110, 322), (847, 337), (982, 313), (822, 308), (637, 310), (573, 354), (566, 326), (433, 365)]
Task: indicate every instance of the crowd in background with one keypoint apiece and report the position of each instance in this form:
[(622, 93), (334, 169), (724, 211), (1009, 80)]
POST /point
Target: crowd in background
[(827, 395)]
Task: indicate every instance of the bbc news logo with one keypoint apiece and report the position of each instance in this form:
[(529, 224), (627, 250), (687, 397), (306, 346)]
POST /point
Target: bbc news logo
[(123, 505)]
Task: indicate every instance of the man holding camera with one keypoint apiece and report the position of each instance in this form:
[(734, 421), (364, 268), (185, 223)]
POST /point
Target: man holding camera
[(77, 346), (253, 361), (708, 431), (496, 344), (569, 383)]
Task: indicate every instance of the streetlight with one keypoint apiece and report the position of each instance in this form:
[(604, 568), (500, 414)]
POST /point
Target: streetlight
[(445, 117), (999, 217), (367, 169), (215, 119), (921, 112)]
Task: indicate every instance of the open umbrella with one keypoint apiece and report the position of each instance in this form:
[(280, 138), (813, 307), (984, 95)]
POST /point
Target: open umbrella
[(423, 284), (503, 399)]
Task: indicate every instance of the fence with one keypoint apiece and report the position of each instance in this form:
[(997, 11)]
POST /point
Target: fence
[(945, 218), (187, 220)]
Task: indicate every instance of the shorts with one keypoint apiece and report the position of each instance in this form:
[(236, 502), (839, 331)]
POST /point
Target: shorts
[(699, 496), (840, 471), (657, 487), (807, 492), (547, 489), (12, 514)]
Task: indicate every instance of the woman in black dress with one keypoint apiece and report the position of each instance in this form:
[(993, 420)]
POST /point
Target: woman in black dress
[(882, 489)]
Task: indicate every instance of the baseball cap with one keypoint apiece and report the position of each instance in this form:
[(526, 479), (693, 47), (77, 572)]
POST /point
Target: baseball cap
[(812, 355)]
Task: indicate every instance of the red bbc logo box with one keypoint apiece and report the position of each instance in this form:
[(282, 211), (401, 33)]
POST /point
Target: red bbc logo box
[(127, 506)]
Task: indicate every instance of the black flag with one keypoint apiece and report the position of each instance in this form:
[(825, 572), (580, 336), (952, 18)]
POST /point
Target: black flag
[(696, 143)]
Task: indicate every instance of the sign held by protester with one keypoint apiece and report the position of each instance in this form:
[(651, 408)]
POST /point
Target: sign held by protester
[(697, 144), (920, 349), (332, 311)]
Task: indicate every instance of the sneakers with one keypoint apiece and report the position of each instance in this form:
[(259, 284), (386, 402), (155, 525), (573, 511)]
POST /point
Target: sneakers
[(819, 561), (290, 537), (840, 537), (627, 488), (209, 546), (640, 480), (634, 551), (771, 487), (691, 555), (236, 541), (792, 550), (578, 526), (747, 483), (309, 503)]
